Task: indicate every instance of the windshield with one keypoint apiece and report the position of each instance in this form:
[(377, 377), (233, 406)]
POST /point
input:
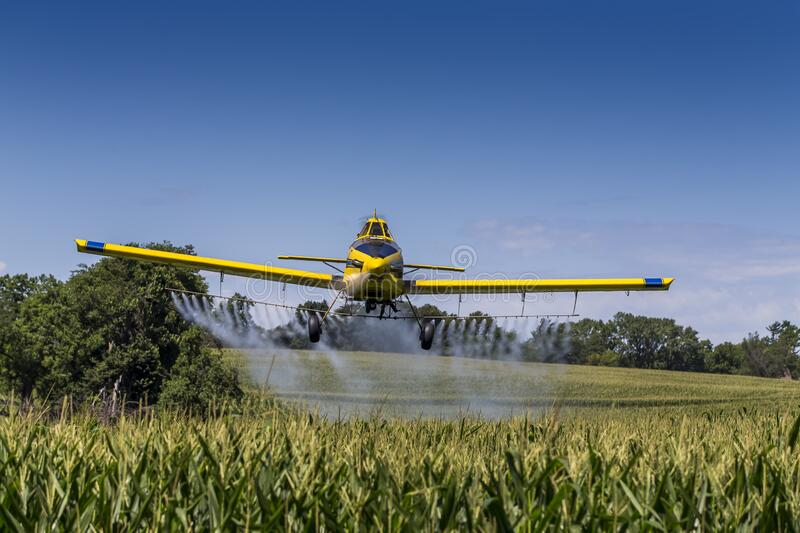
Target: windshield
[(379, 249), (364, 230), (375, 230), (386, 230)]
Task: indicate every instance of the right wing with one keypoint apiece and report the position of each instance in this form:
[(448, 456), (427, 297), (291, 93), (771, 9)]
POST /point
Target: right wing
[(499, 286), (235, 268)]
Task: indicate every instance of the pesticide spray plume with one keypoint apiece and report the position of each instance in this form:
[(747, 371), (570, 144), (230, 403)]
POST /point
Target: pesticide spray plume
[(474, 366)]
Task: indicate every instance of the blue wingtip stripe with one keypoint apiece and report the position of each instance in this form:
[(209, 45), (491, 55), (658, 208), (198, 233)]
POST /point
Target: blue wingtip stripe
[(96, 246), (653, 282)]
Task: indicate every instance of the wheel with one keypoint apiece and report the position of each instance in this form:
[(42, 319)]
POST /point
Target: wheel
[(314, 328), (426, 335)]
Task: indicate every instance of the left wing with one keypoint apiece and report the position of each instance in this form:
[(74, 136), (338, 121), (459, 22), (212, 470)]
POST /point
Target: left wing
[(487, 286), (235, 268)]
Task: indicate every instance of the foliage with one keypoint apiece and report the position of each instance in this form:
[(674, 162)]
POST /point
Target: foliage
[(605, 358), (549, 342), (775, 355), (589, 337), (200, 380), (113, 321), (238, 307), (272, 468), (17, 366), (725, 358), (646, 342)]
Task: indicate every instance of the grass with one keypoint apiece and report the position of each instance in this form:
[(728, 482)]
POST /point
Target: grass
[(725, 456)]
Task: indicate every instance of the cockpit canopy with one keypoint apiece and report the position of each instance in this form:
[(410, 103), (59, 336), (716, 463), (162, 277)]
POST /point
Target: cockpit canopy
[(375, 228)]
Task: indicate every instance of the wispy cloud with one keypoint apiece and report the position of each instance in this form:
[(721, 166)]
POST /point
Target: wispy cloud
[(730, 280)]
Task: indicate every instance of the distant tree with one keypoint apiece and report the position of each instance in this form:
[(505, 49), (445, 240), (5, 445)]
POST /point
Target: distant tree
[(351, 308), (725, 358), (756, 359), (606, 358), (588, 337), (431, 310), (238, 311), (645, 342), (295, 335), (301, 314), (784, 344), (549, 342), (775, 355)]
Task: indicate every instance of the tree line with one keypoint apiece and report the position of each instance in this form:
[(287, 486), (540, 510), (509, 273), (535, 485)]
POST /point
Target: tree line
[(660, 343), (626, 340)]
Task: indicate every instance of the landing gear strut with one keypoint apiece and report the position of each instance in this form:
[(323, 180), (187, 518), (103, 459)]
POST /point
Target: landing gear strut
[(383, 308)]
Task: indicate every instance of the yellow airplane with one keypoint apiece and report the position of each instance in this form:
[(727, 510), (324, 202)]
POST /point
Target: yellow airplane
[(374, 273)]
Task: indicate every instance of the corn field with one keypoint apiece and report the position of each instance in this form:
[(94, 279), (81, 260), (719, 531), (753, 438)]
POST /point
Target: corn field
[(270, 467)]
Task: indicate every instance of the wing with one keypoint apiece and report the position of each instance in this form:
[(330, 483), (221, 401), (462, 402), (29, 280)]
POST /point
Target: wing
[(235, 268), (487, 286)]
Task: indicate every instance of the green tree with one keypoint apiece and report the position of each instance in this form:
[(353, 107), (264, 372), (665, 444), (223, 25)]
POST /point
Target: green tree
[(200, 377), (725, 358), (784, 343), (775, 355), (645, 342), (549, 342), (112, 321), (17, 368), (606, 358), (588, 337)]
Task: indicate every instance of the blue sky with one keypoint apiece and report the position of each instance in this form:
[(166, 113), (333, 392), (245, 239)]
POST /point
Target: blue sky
[(560, 138)]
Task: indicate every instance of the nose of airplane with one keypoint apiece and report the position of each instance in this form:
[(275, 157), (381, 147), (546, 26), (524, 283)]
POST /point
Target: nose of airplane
[(376, 265)]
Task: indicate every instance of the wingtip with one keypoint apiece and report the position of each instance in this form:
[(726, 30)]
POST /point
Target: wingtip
[(91, 247)]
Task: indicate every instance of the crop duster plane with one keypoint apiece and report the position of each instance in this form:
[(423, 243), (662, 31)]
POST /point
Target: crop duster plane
[(374, 273)]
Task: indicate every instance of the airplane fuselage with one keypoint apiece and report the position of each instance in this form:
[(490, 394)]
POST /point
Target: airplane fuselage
[(374, 270)]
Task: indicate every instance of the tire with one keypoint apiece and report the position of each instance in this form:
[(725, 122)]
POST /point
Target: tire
[(426, 335), (314, 328)]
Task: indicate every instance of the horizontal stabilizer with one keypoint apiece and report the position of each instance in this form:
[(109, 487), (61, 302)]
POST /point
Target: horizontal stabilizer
[(433, 267), (312, 258)]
